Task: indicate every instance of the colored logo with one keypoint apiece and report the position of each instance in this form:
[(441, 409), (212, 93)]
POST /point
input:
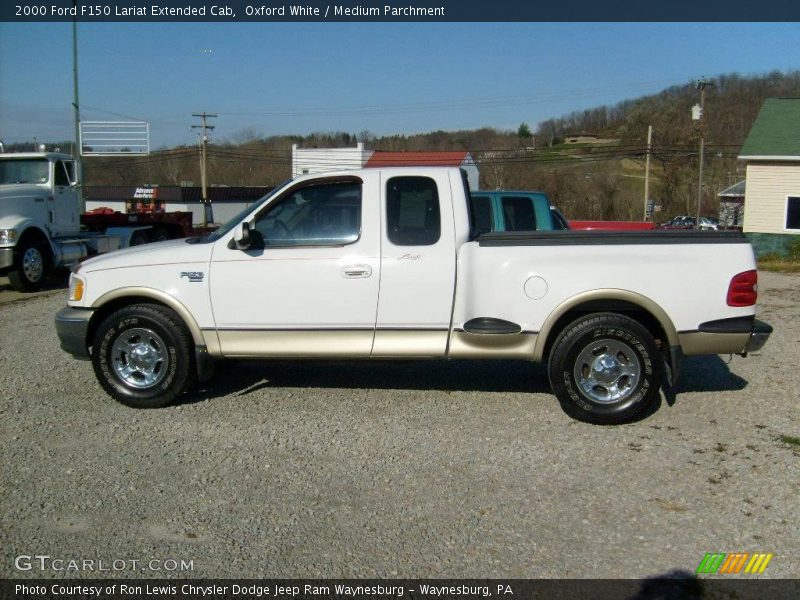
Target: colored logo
[(734, 563)]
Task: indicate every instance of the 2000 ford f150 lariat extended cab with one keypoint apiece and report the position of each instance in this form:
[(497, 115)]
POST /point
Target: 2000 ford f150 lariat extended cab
[(386, 263)]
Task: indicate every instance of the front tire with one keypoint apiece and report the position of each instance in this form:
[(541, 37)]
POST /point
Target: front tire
[(606, 369), (143, 356), (31, 267)]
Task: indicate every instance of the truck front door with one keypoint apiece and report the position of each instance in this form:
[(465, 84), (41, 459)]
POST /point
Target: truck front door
[(312, 289), (64, 206)]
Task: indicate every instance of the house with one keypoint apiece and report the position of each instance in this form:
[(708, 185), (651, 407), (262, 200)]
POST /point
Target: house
[(459, 158), (320, 160), (580, 137), (731, 205), (772, 192)]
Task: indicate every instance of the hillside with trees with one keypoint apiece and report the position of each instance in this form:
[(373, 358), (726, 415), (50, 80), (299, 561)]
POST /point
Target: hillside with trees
[(601, 179)]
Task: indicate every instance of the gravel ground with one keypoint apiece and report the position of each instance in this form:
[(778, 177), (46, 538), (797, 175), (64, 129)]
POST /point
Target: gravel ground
[(408, 469)]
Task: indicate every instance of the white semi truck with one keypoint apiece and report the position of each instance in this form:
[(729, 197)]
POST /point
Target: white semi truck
[(42, 228)]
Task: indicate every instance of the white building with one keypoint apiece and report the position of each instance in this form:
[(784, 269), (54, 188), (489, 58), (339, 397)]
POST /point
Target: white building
[(320, 160)]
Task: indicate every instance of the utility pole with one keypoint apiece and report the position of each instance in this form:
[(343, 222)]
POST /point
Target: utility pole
[(702, 84), (77, 111), (208, 216), (647, 172)]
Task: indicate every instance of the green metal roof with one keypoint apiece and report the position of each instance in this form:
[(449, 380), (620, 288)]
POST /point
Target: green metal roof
[(776, 131)]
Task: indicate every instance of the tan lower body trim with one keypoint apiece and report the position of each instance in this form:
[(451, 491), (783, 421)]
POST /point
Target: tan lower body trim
[(300, 344), (492, 345), (212, 342), (412, 343), (696, 342)]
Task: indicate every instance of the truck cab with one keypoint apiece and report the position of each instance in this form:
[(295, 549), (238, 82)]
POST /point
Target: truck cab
[(39, 203), (500, 210)]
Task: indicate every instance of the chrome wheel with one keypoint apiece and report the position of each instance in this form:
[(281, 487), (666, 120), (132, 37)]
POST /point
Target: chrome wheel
[(140, 358), (33, 264), (607, 371)]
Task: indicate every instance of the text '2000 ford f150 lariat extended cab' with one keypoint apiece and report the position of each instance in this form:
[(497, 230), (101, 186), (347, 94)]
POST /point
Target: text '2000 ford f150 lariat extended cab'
[(386, 263)]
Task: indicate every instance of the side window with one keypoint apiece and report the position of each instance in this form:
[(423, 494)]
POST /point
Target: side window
[(518, 214), (70, 168), (481, 214), (60, 177), (793, 212), (318, 215), (559, 221), (412, 211)]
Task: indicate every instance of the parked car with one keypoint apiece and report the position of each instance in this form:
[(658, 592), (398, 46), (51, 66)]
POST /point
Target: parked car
[(389, 263), (686, 222)]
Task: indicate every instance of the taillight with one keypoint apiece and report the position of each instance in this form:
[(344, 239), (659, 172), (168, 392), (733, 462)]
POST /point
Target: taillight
[(743, 289)]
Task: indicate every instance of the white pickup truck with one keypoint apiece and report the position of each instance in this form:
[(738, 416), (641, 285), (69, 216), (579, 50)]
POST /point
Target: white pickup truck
[(386, 263)]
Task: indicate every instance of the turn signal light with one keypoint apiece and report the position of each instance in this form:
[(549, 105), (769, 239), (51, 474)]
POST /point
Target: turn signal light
[(75, 289), (743, 289)]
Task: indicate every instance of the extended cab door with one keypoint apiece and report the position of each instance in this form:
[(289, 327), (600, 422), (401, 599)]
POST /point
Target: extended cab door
[(311, 289), (418, 265)]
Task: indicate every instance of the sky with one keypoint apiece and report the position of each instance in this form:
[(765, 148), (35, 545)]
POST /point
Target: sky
[(299, 78)]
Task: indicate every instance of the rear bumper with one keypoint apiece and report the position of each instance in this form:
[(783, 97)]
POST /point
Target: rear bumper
[(738, 335), (758, 336), (72, 327)]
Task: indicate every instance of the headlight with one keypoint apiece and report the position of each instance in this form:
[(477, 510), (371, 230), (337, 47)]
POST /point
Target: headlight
[(76, 288), (8, 236)]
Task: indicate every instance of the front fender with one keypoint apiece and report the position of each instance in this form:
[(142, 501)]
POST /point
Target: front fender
[(159, 296)]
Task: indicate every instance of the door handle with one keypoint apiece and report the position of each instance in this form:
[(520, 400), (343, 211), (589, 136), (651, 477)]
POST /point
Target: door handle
[(356, 271)]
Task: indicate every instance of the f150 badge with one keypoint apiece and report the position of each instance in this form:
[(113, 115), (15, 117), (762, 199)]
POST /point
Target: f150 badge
[(193, 276)]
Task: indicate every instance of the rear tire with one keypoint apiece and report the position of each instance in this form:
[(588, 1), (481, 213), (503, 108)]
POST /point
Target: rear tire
[(606, 369), (143, 356), (31, 267)]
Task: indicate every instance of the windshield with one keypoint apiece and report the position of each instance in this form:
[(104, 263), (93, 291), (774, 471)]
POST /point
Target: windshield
[(213, 236), (32, 170)]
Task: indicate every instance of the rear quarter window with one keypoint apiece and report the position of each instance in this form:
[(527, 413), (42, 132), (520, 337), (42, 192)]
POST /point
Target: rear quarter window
[(413, 217)]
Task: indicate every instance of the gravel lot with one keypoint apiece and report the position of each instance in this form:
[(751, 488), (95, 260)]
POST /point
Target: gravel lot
[(408, 469)]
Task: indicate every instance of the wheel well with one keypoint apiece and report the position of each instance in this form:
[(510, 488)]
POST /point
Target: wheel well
[(109, 307), (628, 309), (33, 233)]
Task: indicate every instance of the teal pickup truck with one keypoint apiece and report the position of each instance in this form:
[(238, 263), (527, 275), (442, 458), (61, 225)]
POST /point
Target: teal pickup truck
[(514, 211)]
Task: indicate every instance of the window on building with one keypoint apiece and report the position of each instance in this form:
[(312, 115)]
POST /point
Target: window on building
[(412, 211), (518, 214), (793, 212), (317, 215)]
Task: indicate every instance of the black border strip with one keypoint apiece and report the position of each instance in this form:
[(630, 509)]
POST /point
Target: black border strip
[(609, 238), (393, 11)]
